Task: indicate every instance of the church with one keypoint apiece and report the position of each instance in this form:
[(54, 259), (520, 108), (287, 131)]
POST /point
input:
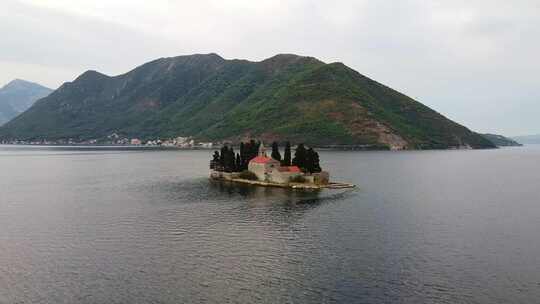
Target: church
[(270, 170)]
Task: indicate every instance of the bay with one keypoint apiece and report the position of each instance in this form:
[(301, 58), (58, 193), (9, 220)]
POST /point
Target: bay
[(106, 225)]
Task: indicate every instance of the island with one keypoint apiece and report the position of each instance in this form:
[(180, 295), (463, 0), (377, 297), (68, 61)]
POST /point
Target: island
[(254, 167)]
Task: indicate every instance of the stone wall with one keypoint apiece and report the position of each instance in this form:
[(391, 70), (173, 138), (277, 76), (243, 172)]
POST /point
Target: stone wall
[(321, 178), (258, 169), (277, 176)]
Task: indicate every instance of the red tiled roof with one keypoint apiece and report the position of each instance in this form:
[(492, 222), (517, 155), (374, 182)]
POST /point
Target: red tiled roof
[(290, 169), (260, 159), (294, 169)]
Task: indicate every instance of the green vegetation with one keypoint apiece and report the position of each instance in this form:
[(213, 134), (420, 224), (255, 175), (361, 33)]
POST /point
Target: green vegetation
[(297, 179), (287, 155), (275, 152), (226, 161), (285, 98), (248, 151), (501, 141), (306, 159)]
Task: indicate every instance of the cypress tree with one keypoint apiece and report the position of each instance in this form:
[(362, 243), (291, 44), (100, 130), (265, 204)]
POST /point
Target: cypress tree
[(231, 161), (238, 163), (300, 157), (275, 151), (248, 154), (256, 148), (253, 150), (287, 156), (214, 164), (252, 147), (316, 162), (225, 158), (222, 156), (309, 161), (242, 156), (312, 161)]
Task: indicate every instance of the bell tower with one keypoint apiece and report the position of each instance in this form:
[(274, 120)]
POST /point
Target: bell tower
[(262, 150)]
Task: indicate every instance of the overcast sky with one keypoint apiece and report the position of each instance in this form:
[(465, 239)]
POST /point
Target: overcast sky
[(475, 61)]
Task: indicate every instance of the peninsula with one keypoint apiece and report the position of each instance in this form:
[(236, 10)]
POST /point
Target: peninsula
[(253, 166)]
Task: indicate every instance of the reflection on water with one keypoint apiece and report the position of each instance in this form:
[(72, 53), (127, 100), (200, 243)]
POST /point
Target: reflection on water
[(270, 195), (106, 226)]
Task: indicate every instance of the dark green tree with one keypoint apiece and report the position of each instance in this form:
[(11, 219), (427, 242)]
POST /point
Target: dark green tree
[(214, 163), (224, 152), (316, 162), (238, 166), (246, 150), (308, 164), (287, 156), (256, 146), (253, 150), (228, 159), (312, 161), (300, 157), (252, 145), (242, 156), (275, 151)]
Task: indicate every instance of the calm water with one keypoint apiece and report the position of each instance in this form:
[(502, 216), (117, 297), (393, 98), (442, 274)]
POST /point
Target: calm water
[(105, 226)]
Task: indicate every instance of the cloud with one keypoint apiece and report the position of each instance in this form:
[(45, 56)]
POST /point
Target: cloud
[(474, 61)]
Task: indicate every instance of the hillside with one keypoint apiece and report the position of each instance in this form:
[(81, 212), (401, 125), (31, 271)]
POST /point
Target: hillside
[(286, 97), (501, 141), (17, 96), (528, 139)]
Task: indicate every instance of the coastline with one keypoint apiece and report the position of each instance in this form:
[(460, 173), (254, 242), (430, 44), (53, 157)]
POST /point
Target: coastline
[(161, 147)]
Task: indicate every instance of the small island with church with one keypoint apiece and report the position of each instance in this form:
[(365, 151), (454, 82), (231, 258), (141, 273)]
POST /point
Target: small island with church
[(253, 166)]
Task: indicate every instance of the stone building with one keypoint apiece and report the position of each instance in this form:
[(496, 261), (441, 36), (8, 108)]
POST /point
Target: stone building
[(270, 170)]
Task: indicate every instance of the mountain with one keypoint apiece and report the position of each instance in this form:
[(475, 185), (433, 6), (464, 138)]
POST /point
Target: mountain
[(528, 139), (17, 96), (501, 141), (285, 97)]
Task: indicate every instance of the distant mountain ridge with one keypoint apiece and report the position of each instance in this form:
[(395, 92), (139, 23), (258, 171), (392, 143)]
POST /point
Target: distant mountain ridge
[(285, 97), (528, 139), (17, 96), (501, 141)]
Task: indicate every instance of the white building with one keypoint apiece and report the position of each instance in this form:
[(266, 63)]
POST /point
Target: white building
[(181, 140), (206, 145)]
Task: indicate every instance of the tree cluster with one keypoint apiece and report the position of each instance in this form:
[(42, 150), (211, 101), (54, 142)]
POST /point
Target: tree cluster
[(248, 151), (275, 152), (306, 159), (287, 156), (226, 160)]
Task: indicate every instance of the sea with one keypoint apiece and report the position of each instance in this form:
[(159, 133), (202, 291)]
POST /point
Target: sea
[(110, 225)]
